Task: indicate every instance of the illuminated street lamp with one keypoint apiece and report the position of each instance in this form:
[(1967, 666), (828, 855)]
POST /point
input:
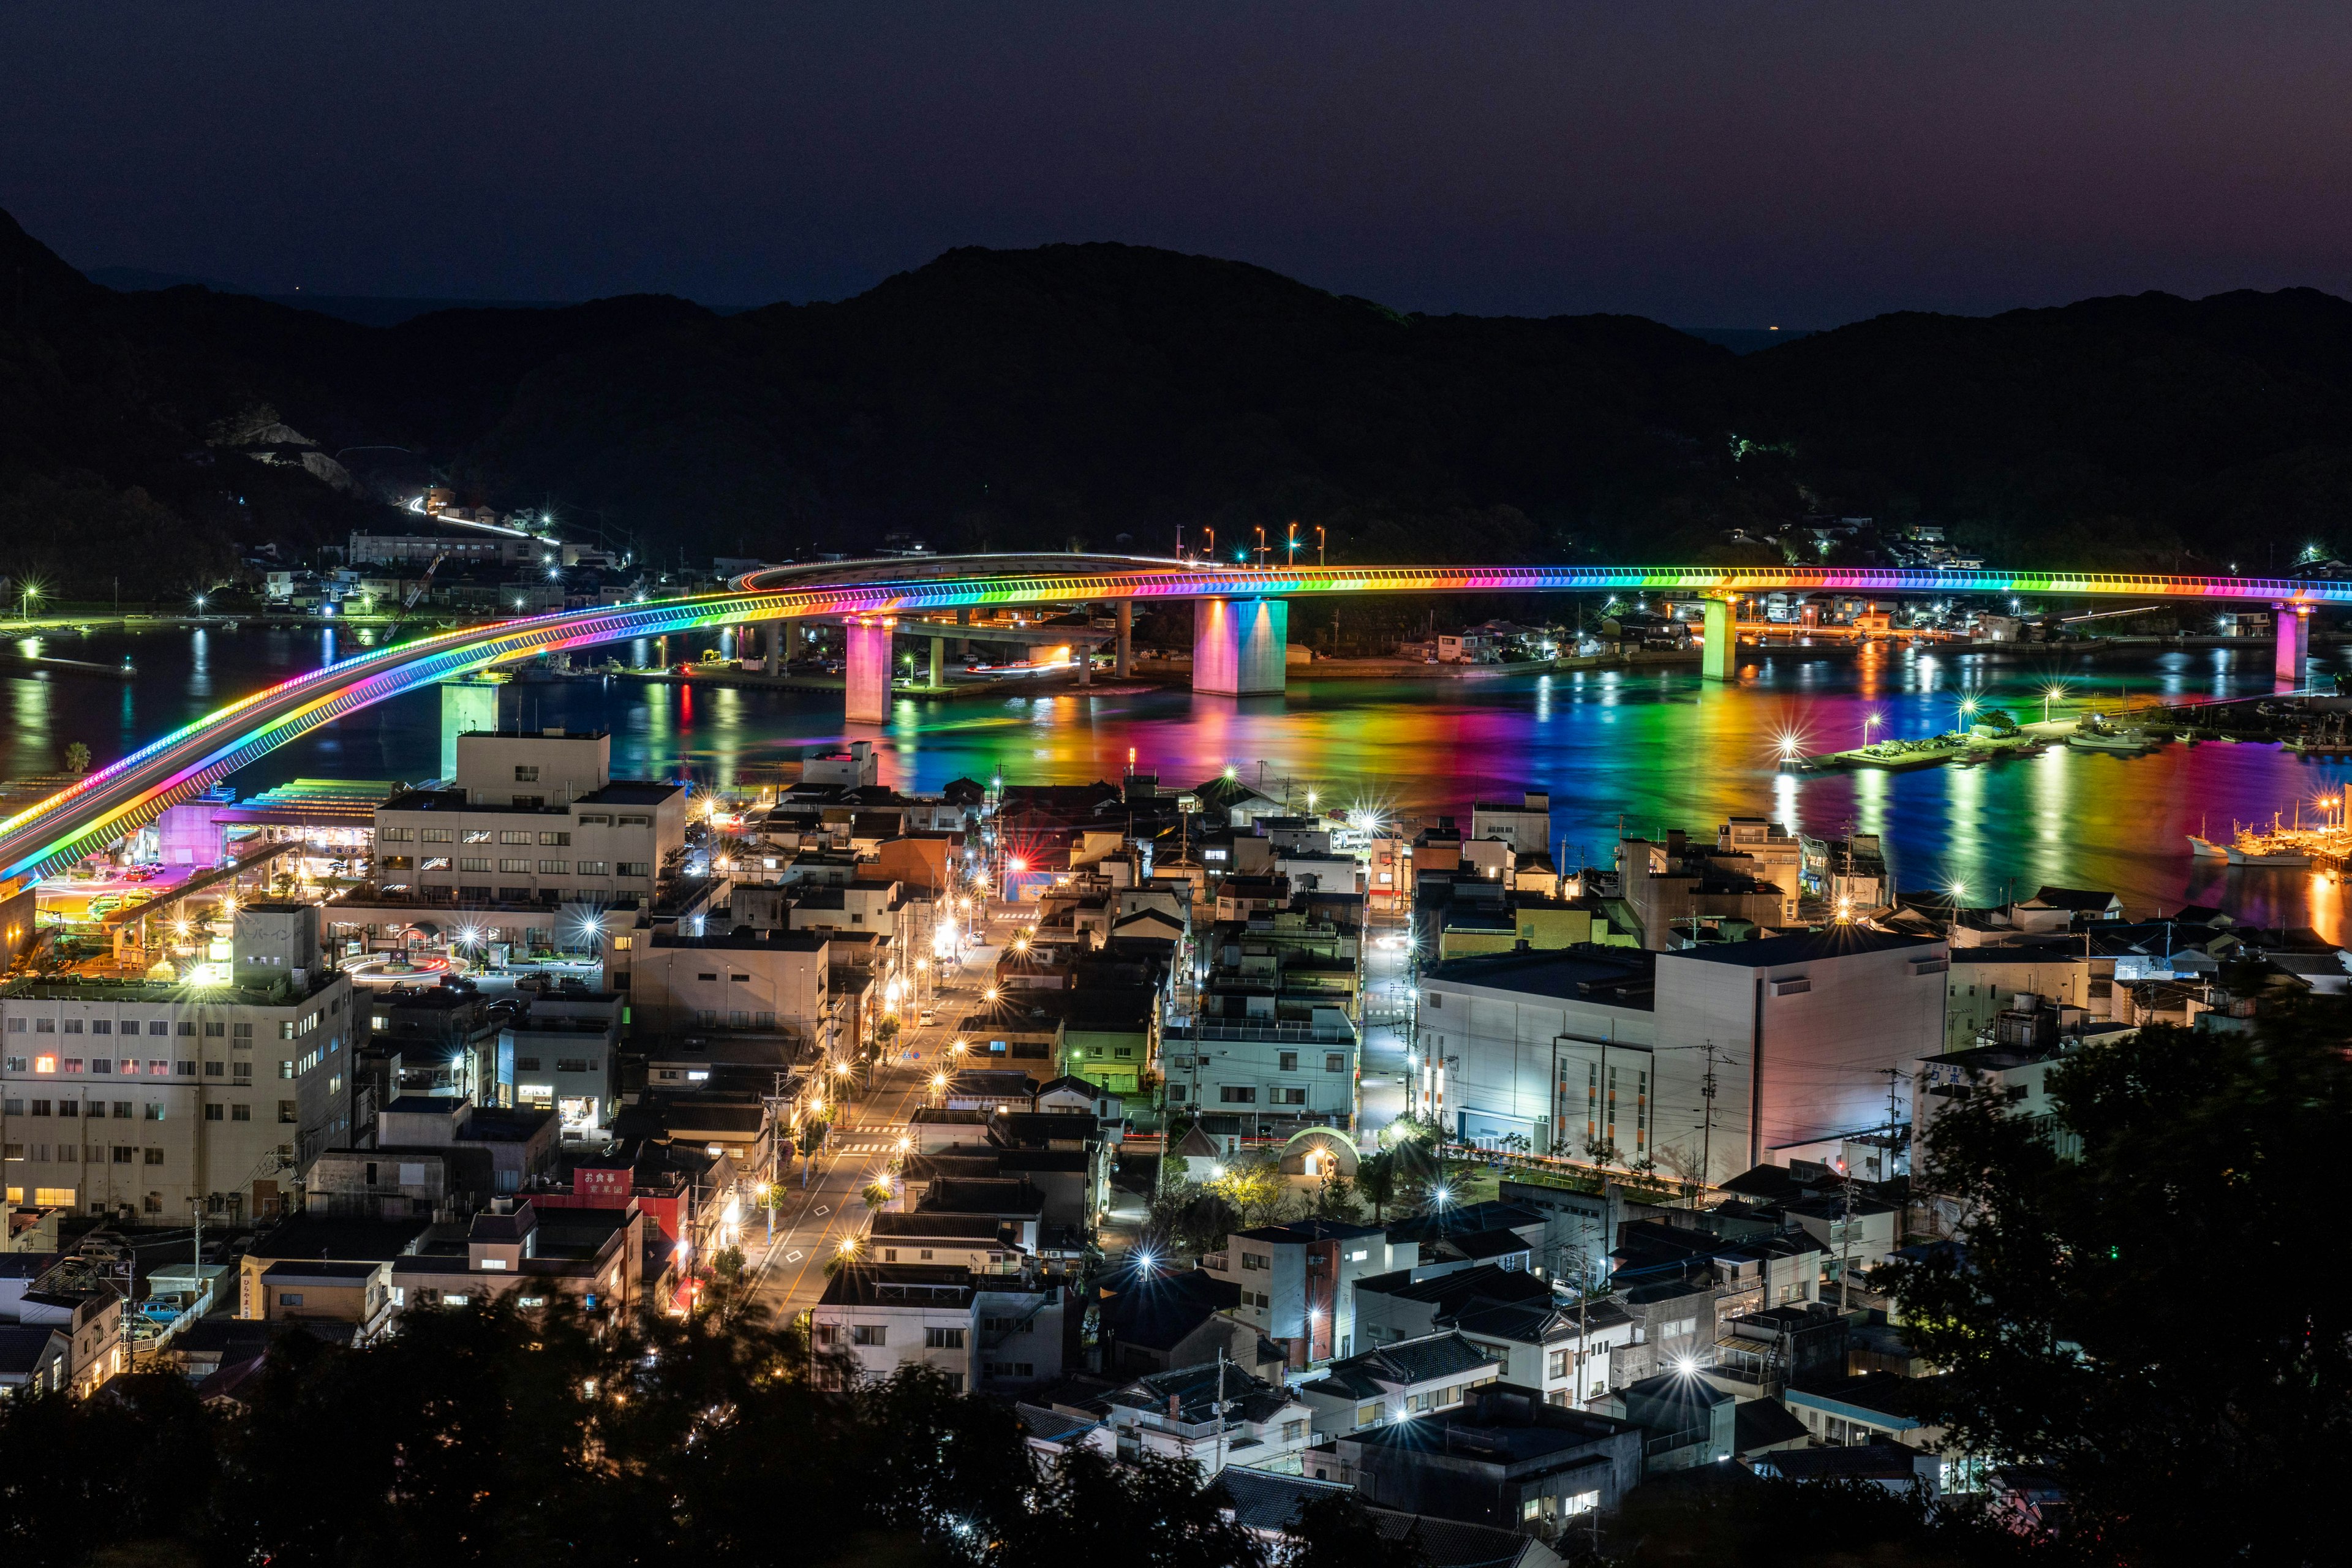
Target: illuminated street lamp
[(1870, 723)]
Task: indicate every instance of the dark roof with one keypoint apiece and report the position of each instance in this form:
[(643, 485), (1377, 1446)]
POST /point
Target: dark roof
[(629, 792), (1886, 1393), (1195, 1390), (1445, 1355), (1614, 976), (1838, 941), (1263, 1500), (22, 1346), (295, 1269), (1485, 1244), (1504, 1423), (1761, 1424), (932, 1226), (744, 939), (981, 1195), (1454, 1291), (1158, 1312), (1308, 1230), (2073, 898), (899, 1285), (309, 1237)]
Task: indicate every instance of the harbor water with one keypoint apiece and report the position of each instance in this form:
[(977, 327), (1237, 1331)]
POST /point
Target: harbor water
[(1630, 750)]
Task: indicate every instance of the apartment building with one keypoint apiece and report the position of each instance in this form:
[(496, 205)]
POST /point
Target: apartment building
[(1298, 1279), (535, 818), (761, 980), (563, 1055), (981, 1331), (1275, 1073), (139, 1098)]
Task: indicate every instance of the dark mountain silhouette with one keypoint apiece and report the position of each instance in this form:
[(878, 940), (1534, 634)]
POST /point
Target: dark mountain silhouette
[(1109, 395)]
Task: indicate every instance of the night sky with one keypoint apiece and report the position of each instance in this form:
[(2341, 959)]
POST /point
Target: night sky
[(1705, 164)]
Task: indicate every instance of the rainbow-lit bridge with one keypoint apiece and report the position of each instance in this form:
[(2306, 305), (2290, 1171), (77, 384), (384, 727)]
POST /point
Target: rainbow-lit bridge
[(1241, 625)]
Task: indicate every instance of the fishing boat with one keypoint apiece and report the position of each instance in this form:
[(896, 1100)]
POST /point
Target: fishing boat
[(2259, 849), (2132, 741), (2205, 849)]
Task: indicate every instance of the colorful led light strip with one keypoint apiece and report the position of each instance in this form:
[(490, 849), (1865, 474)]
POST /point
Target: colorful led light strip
[(136, 789)]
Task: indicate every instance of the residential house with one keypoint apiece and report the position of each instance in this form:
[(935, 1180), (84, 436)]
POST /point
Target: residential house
[(981, 1331), (1398, 1381), (1215, 1415), (1297, 1280), (1503, 1458)]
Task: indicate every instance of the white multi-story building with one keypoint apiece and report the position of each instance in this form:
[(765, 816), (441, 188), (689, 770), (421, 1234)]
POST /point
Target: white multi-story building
[(981, 1332), (536, 819), (1271, 1071), (141, 1097), (1580, 1051)]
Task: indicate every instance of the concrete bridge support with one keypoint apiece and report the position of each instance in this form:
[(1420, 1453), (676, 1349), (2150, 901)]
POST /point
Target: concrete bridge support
[(2293, 641), (867, 669), (939, 662), (1720, 656), (466, 704), (1238, 646), (1126, 665)]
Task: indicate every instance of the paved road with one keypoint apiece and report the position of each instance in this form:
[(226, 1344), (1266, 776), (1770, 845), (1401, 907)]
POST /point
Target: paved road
[(810, 1226)]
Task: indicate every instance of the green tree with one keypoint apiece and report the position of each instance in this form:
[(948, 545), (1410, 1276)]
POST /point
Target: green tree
[(878, 1194), (77, 757), (1377, 1179), (2078, 1318), (1253, 1187), (1335, 1196), (1152, 1512)]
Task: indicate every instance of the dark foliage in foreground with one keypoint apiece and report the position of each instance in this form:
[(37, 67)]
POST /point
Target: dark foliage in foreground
[(2150, 1313), (487, 1435)]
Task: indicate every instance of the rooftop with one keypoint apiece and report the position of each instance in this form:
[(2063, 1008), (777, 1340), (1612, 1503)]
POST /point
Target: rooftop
[(1425, 1360), (1800, 947), (1613, 976)]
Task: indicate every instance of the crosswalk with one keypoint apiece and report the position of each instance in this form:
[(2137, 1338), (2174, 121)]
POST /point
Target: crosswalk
[(868, 1148)]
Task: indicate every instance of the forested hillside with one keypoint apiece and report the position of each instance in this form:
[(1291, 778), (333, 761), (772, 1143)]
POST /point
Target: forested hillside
[(1106, 396)]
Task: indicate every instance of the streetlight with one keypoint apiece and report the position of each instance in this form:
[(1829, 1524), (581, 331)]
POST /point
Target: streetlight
[(1292, 544), (1870, 723), (2056, 689), (1318, 545)]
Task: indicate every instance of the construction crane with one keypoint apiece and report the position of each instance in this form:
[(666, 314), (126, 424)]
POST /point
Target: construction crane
[(414, 594)]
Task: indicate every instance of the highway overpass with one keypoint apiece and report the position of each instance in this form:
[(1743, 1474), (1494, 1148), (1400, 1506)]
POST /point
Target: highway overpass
[(1241, 622)]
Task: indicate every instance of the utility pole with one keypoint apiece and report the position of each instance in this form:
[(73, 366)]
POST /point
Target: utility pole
[(1846, 1240), (1219, 1467), (1706, 1134)]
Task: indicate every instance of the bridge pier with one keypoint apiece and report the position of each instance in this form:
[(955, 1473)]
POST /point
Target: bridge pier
[(1125, 665), (867, 669), (1720, 654), (939, 662), (1238, 646), (2294, 642), (466, 704)]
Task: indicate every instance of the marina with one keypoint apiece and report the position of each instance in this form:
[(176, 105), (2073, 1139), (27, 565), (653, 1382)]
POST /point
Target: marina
[(1621, 749)]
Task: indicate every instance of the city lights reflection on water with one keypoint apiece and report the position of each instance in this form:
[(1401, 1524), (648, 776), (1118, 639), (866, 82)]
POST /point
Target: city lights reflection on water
[(1649, 748)]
